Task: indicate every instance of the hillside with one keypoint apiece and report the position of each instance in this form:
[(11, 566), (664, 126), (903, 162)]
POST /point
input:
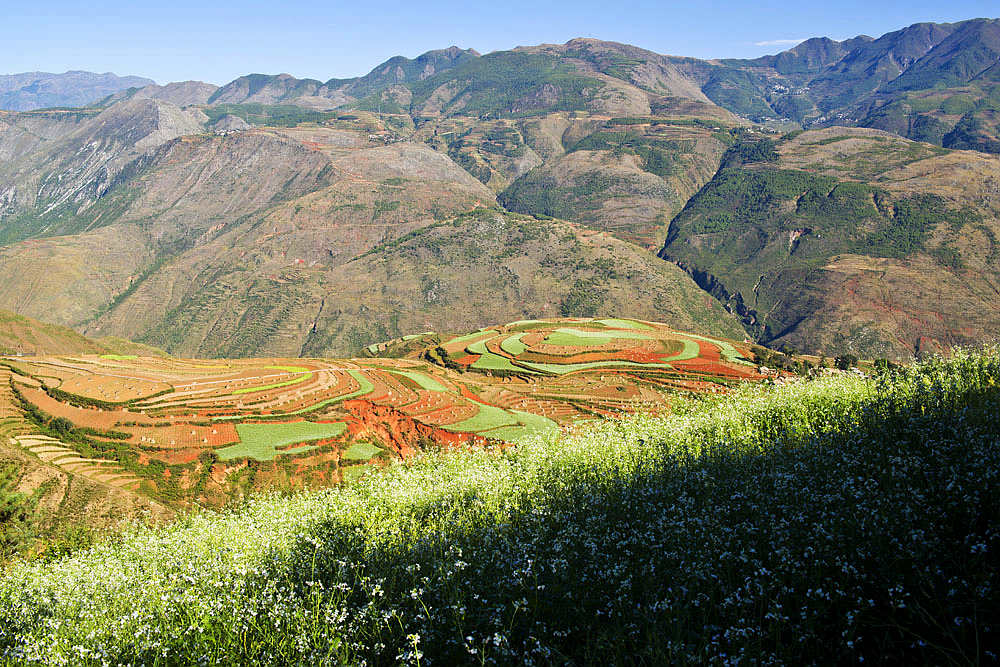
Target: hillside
[(116, 431), (185, 431), (39, 90), (851, 514), (849, 240), (23, 335), (258, 241)]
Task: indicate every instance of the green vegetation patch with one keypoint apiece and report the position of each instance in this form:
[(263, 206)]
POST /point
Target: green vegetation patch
[(512, 84), (658, 156), (512, 345), (262, 441), (354, 473), (276, 115), (488, 417), (120, 357), (690, 349), (626, 324), (562, 369), (423, 381), (277, 385), (360, 451), (581, 338), (494, 362), (366, 387), (729, 353), (531, 425), (471, 336)]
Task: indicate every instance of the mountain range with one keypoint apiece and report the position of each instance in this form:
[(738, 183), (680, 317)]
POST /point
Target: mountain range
[(841, 196), (38, 90)]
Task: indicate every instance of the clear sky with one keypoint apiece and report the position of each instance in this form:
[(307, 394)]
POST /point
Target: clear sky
[(218, 40)]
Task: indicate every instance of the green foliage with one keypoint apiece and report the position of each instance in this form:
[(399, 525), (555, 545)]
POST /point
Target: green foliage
[(750, 149), (612, 64), (846, 361), (739, 91), (659, 156), (929, 129), (740, 200), (277, 115), (837, 520), (911, 226), (538, 193), (737, 199), (14, 512), (360, 451), (977, 131), (512, 84), (584, 299)]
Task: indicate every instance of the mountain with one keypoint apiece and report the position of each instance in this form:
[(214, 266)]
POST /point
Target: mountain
[(38, 90), (276, 215), (180, 93), (848, 239), (284, 88), (927, 82), (264, 241)]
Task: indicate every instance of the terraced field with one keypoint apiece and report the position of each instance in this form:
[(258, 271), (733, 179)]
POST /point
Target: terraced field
[(203, 431)]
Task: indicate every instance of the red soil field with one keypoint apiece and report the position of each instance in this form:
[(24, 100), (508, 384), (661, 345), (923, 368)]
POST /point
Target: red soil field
[(184, 435), (86, 417)]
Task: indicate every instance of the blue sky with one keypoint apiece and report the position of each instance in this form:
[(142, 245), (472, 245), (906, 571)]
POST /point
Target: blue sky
[(218, 41)]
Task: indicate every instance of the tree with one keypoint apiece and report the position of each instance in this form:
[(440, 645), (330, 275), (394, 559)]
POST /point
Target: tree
[(14, 509), (846, 361)]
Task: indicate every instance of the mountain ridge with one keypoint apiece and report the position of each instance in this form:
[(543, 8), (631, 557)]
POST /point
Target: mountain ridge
[(286, 226), (35, 90)]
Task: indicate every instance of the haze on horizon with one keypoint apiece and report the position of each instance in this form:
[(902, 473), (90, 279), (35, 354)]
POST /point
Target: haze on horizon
[(217, 42)]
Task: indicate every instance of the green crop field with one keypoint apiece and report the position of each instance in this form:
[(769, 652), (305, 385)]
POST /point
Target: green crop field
[(626, 324), (531, 425), (690, 350), (472, 336), (729, 353), (360, 451), (581, 338), (423, 380), (512, 345), (277, 385), (261, 441), (366, 387), (494, 362), (488, 417), (562, 369), (478, 347), (354, 473)]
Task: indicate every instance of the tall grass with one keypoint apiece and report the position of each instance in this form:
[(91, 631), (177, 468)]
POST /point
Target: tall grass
[(835, 520)]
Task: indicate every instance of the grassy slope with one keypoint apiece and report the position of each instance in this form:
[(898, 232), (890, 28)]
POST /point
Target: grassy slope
[(28, 336), (836, 520)]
